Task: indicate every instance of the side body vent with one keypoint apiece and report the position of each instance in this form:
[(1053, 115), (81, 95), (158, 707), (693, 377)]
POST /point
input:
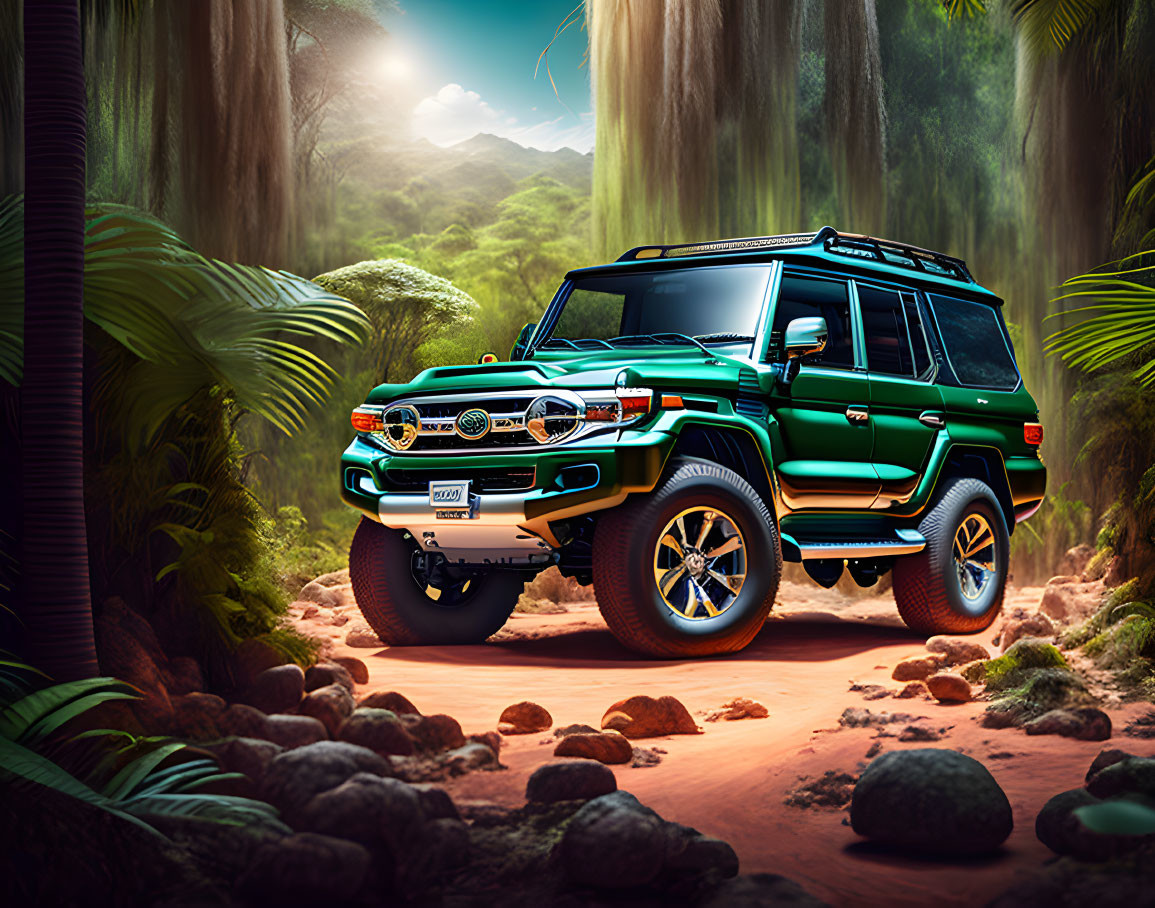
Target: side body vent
[(749, 402)]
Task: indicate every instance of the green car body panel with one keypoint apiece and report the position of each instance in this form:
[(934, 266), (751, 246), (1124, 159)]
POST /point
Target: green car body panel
[(847, 453)]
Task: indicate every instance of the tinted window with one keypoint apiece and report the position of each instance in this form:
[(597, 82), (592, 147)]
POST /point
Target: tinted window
[(801, 297), (975, 343), (692, 301), (918, 337), (884, 326)]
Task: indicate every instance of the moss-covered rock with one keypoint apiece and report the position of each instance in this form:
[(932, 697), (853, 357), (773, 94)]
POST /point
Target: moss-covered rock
[(1012, 668), (1040, 690)]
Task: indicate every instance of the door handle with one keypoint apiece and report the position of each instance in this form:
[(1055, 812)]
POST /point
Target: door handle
[(857, 413), (932, 418)]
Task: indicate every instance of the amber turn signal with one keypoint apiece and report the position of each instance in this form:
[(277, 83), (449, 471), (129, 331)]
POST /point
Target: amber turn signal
[(364, 421), (1033, 433), (672, 402)]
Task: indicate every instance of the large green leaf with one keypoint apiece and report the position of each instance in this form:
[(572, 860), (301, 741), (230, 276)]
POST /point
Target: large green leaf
[(18, 717)]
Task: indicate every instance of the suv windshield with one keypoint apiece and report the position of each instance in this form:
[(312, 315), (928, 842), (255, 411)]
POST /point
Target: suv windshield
[(707, 305)]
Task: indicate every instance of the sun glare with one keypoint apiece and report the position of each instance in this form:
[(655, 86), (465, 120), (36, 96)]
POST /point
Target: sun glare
[(395, 67)]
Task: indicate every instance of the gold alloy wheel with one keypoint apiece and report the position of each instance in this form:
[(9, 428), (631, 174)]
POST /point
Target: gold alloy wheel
[(700, 563), (974, 555)]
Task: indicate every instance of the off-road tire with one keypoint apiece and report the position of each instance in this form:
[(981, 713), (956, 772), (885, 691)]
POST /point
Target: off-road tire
[(401, 613), (926, 585), (623, 558)]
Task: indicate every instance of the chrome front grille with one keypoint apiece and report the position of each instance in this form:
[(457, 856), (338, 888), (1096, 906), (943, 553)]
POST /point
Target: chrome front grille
[(485, 480)]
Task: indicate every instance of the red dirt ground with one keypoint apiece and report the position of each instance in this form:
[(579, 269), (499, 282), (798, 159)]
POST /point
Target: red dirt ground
[(731, 781)]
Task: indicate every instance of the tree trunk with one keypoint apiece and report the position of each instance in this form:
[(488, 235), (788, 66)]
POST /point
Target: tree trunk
[(56, 600)]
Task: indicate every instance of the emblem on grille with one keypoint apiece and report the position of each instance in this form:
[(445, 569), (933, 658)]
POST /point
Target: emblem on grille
[(472, 424)]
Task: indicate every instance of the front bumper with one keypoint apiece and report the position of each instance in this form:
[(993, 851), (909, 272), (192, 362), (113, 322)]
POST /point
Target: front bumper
[(521, 527)]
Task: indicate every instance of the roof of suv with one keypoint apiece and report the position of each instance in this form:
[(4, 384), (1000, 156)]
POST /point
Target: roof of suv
[(826, 249)]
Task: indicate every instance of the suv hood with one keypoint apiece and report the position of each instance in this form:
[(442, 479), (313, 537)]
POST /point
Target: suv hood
[(684, 369)]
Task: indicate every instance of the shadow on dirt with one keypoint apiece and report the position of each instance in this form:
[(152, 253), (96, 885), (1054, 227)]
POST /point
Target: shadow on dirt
[(817, 637)]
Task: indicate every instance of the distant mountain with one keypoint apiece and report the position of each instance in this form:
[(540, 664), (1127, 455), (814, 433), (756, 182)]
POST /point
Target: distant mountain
[(485, 167)]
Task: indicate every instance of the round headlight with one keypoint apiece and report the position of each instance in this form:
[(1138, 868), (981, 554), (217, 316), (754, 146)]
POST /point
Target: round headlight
[(552, 419), (401, 425)]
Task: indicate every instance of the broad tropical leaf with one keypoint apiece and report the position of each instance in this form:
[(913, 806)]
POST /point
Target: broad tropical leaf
[(1119, 323), (191, 322), (1049, 25)]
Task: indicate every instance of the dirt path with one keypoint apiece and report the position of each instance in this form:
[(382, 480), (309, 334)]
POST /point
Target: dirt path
[(732, 780)]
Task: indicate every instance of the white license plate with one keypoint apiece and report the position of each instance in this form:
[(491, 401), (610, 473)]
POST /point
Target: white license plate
[(449, 494)]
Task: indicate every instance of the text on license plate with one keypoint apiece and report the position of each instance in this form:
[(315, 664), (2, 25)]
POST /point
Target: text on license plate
[(449, 494)]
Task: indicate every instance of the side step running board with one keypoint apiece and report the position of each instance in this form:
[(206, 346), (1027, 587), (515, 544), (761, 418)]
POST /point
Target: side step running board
[(904, 542)]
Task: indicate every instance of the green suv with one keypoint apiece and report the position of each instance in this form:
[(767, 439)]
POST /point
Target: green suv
[(682, 421)]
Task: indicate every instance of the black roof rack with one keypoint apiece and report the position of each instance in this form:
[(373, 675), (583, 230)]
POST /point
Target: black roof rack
[(849, 244)]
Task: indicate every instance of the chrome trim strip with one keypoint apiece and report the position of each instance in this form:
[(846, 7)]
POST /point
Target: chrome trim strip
[(909, 542)]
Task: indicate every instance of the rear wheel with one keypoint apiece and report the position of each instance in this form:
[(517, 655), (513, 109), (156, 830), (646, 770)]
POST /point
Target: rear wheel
[(690, 569), (411, 598), (956, 584)]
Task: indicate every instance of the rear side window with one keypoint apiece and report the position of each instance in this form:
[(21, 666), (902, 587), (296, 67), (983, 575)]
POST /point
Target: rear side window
[(918, 337), (801, 297), (888, 347), (975, 342)]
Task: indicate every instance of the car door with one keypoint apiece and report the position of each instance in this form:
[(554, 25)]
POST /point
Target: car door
[(823, 435), (906, 406)]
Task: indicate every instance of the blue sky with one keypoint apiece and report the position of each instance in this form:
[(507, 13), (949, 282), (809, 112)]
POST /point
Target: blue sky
[(469, 65)]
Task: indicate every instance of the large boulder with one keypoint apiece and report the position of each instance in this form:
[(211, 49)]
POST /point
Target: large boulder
[(294, 777), (573, 780), (649, 717), (379, 813), (332, 704), (377, 729), (305, 869), (524, 718), (1085, 723), (614, 842), (276, 690), (605, 747), (931, 800), (1060, 829)]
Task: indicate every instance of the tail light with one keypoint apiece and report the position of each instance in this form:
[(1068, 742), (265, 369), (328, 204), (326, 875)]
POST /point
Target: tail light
[(366, 421), (1033, 433)]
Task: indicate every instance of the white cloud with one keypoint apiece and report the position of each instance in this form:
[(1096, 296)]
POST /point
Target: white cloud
[(454, 115)]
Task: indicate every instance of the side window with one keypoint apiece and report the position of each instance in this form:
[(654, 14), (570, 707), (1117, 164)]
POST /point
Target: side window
[(800, 297), (888, 347), (976, 343), (918, 336)]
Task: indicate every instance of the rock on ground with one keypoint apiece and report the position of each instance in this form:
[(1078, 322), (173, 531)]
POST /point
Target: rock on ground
[(864, 718), (1085, 723), (435, 733), (329, 597), (249, 756), (382, 814), (361, 635), (377, 729), (1060, 829), (949, 687), (758, 890), (918, 668), (392, 701), (275, 690), (605, 747), (294, 731), (1070, 602), (1104, 759), (931, 800), (739, 708), (913, 689), (1134, 775), (614, 842), (332, 704), (357, 669), (325, 673), (306, 869), (292, 778), (575, 729), (1076, 559), (573, 780), (957, 652), (524, 718), (832, 790), (1023, 623), (647, 717)]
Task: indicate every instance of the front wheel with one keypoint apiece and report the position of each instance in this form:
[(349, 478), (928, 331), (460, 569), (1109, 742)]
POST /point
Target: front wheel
[(412, 599), (690, 569), (956, 584)]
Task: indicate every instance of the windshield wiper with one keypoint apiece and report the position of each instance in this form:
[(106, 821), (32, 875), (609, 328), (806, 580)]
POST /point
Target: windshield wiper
[(725, 336), (677, 338)]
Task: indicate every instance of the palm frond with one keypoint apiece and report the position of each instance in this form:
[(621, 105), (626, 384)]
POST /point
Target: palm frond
[(963, 9), (1117, 325), (1048, 26)]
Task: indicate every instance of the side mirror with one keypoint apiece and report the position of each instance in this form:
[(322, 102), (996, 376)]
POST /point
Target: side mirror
[(521, 345), (805, 336)]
